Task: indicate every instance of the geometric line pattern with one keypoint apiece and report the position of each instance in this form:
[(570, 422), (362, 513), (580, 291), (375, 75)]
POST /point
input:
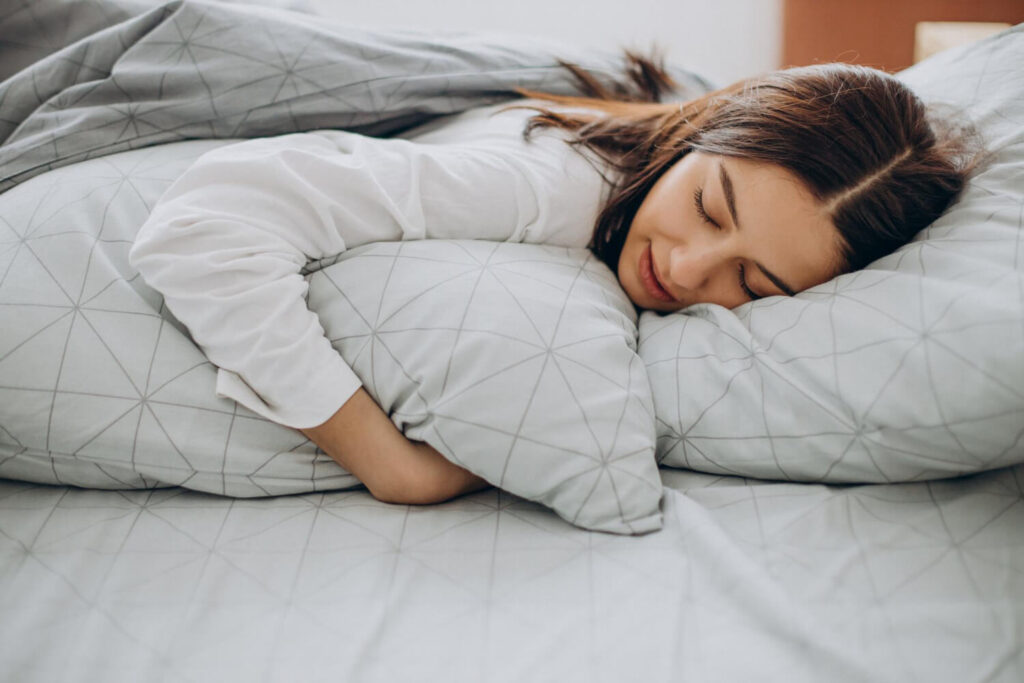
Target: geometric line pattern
[(920, 581), (908, 370), (235, 71), (915, 581), (516, 361), (541, 391), (100, 385)]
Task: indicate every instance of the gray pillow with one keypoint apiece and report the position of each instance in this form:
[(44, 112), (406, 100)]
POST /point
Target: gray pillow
[(516, 361), (911, 369)]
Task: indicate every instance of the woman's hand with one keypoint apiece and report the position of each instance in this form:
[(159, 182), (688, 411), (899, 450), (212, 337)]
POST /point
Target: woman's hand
[(363, 440)]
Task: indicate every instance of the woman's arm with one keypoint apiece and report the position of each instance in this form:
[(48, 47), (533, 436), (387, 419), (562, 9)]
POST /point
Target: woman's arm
[(227, 243), (362, 439)]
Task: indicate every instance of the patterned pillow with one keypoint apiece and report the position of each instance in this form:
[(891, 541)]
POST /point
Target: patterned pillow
[(517, 361), (908, 370)]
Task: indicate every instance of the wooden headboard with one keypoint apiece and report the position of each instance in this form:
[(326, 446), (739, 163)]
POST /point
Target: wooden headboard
[(877, 33)]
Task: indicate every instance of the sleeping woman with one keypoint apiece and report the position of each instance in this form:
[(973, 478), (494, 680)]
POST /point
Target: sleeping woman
[(765, 188)]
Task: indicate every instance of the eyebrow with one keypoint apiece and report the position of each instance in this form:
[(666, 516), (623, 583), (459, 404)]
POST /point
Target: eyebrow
[(730, 200)]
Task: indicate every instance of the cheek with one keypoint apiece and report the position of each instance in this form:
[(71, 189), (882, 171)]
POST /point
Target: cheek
[(626, 270), (621, 271), (647, 215)]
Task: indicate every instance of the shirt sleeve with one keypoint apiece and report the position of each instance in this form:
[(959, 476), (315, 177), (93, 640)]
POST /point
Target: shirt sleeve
[(227, 242)]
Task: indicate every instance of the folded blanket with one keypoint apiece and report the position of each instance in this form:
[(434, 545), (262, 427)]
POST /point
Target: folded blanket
[(128, 76)]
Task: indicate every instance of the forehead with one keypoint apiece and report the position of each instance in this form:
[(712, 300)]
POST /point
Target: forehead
[(780, 221)]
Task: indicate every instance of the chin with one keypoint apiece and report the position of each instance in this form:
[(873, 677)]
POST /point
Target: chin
[(665, 306), (645, 302)]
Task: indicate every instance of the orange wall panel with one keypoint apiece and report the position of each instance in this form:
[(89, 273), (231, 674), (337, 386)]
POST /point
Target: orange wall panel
[(877, 33)]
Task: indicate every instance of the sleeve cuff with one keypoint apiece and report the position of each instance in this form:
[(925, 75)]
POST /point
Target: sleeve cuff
[(321, 397)]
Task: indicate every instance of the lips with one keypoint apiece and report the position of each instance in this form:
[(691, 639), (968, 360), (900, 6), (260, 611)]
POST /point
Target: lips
[(649, 277)]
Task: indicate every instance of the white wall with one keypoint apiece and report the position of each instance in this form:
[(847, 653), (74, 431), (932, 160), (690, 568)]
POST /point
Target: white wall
[(722, 39)]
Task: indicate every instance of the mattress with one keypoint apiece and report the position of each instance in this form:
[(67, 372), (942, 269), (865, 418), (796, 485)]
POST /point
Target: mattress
[(746, 581)]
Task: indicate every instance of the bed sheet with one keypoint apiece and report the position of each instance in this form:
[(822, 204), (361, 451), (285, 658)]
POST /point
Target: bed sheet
[(747, 581)]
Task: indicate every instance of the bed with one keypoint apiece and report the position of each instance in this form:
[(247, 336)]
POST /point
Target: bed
[(860, 521), (746, 581)]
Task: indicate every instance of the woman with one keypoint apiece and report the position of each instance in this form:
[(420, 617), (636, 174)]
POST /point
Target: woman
[(766, 188)]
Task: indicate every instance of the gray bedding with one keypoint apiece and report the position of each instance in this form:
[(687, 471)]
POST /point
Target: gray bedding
[(83, 80), (748, 580), (81, 411)]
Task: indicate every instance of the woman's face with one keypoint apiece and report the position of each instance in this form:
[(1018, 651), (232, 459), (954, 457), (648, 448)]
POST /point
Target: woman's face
[(722, 230)]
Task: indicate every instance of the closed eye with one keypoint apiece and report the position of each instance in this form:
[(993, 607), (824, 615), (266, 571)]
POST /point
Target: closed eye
[(698, 202), (754, 296)]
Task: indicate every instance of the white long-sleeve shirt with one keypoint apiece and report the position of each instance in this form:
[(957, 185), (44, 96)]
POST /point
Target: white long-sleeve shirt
[(227, 242)]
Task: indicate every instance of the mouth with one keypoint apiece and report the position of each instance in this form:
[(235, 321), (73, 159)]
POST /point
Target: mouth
[(649, 277)]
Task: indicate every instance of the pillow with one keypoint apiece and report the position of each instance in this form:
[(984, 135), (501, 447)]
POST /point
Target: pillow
[(515, 361), (910, 369)]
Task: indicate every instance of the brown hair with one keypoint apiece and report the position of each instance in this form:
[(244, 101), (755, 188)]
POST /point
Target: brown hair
[(863, 144)]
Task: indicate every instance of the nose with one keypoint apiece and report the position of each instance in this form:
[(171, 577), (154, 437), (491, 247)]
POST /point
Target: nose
[(692, 265)]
